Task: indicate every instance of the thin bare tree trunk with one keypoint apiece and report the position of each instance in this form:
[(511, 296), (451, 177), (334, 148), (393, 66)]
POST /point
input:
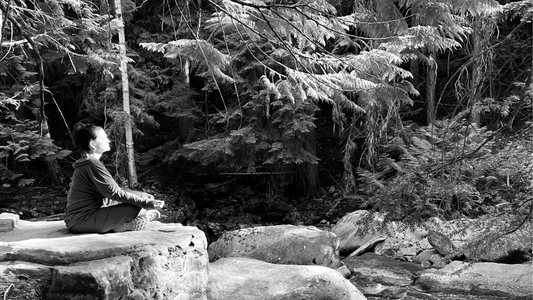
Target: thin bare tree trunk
[(477, 76), (2, 27), (126, 96), (186, 71), (431, 85), (185, 121), (413, 65)]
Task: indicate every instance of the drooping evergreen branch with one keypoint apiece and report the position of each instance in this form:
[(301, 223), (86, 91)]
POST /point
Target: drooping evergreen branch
[(298, 7), (283, 44), (234, 19), (257, 47), (353, 35)]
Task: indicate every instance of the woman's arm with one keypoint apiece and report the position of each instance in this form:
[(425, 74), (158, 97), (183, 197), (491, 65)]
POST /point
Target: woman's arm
[(108, 188)]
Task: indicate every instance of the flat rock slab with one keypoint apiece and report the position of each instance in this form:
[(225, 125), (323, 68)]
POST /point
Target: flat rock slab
[(163, 261), (241, 278), (482, 278)]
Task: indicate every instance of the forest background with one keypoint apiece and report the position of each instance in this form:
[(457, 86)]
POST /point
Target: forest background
[(269, 112)]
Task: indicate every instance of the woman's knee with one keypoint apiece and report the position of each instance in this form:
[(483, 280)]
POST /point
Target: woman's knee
[(135, 210)]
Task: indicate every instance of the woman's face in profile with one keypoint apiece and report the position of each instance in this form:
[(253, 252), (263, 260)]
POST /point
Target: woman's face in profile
[(101, 143)]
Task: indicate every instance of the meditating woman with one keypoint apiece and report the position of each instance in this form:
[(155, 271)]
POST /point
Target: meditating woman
[(93, 188)]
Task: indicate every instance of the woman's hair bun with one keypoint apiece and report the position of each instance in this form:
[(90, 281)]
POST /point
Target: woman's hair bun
[(82, 134)]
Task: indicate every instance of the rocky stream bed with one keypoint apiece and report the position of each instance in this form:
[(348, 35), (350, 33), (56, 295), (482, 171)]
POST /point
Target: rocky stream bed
[(48, 204)]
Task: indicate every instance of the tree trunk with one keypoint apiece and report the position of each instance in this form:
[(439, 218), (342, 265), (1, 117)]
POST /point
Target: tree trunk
[(185, 77), (431, 84), (413, 65), (477, 76), (413, 68), (308, 180), (348, 178), (184, 122), (126, 97), (58, 178), (1, 27), (311, 170)]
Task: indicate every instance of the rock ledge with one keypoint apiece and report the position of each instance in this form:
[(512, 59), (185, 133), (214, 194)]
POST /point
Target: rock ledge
[(163, 261)]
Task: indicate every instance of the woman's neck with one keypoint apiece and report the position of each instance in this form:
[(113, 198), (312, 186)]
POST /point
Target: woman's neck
[(95, 155)]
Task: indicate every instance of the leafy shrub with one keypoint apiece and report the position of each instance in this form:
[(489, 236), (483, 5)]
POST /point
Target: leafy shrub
[(449, 170), (20, 142)]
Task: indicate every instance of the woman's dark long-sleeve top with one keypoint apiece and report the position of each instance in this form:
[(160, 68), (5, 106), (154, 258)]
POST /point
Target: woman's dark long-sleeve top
[(91, 183)]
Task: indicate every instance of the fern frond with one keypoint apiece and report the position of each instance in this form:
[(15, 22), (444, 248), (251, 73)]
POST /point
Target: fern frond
[(421, 37), (343, 101), (196, 50), (217, 73), (304, 26), (479, 7), (207, 151), (391, 94), (284, 89), (519, 9)]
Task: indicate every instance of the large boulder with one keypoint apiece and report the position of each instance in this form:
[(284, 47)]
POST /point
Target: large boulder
[(163, 261), (489, 239), (481, 278), (358, 228), (281, 244), (239, 278), (361, 230), (442, 243)]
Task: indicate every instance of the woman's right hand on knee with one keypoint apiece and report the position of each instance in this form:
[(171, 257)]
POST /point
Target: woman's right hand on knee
[(155, 204), (159, 204)]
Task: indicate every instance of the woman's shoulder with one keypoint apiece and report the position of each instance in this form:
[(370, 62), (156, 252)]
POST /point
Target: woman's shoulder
[(88, 162)]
